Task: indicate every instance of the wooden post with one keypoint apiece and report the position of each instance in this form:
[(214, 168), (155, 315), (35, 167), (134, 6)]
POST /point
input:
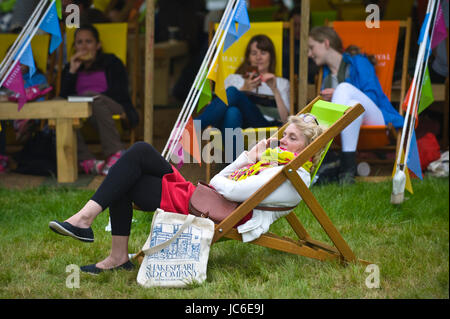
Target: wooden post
[(303, 56), (66, 148), (149, 70)]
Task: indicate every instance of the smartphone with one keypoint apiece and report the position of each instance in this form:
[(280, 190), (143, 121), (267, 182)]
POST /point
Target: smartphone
[(252, 72)]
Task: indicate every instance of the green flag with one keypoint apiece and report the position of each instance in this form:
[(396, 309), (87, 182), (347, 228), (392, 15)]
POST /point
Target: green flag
[(59, 8), (205, 95), (426, 97)]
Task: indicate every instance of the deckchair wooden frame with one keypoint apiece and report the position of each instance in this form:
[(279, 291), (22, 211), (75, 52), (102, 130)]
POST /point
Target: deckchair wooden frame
[(305, 245)]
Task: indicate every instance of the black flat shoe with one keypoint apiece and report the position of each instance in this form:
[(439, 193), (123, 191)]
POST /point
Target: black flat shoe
[(93, 270), (67, 229)]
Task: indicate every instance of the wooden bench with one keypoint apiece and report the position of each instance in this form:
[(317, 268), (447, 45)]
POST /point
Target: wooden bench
[(65, 114)]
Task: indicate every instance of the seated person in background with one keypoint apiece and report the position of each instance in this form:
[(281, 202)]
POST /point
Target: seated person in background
[(348, 80), (142, 176), (94, 73), (253, 83)]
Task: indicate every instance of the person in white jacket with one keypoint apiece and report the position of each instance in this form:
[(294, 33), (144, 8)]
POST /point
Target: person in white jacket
[(295, 138), (142, 176)]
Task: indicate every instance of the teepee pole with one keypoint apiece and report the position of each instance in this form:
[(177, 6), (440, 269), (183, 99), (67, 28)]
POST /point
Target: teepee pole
[(27, 42)]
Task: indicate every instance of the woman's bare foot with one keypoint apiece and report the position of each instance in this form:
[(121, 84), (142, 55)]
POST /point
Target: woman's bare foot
[(111, 262), (85, 217)]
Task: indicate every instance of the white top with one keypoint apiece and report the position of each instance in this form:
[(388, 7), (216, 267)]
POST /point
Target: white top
[(237, 80), (284, 196)]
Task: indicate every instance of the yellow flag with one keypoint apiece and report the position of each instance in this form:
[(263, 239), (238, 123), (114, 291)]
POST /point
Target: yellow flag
[(218, 75)]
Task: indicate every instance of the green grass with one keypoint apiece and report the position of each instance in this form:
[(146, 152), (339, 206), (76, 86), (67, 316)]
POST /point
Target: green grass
[(409, 244)]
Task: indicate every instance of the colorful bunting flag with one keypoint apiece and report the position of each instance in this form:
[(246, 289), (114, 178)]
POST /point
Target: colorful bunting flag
[(413, 161), (189, 141), (426, 96), (218, 74), (50, 24), (440, 31), (14, 82), (205, 95), (28, 60), (179, 156), (59, 8), (240, 23)]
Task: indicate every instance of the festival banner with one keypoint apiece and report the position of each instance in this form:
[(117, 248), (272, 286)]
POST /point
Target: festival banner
[(14, 82)]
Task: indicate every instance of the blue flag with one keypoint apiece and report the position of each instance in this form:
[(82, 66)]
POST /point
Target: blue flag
[(243, 24), (413, 161), (28, 60), (51, 25)]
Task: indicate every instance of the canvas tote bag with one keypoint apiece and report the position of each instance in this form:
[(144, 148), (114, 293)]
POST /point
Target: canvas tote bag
[(176, 251)]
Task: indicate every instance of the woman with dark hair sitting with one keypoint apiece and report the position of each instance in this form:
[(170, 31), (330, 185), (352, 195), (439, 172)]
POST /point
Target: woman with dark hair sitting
[(91, 72), (256, 97)]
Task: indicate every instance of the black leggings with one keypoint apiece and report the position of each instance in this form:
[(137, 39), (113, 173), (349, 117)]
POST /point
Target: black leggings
[(135, 178)]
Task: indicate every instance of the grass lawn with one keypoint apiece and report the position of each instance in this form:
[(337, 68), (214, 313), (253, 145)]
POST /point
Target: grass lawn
[(409, 244)]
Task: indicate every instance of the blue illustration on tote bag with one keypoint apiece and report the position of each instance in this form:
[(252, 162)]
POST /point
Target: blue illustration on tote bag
[(185, 247)]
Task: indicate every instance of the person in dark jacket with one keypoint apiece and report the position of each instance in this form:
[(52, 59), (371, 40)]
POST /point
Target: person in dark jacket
[(91, 72)]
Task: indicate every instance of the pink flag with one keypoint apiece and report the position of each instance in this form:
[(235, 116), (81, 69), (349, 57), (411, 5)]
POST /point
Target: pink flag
[(440, 32), (15, 83)]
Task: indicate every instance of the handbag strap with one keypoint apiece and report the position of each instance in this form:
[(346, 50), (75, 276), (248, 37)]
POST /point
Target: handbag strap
[(187, 222), (276, 209)]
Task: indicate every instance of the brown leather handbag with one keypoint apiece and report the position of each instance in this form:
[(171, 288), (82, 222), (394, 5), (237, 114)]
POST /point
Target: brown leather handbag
[(207, 202)]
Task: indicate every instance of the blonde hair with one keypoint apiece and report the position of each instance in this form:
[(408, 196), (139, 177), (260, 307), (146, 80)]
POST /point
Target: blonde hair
[(311, 130)]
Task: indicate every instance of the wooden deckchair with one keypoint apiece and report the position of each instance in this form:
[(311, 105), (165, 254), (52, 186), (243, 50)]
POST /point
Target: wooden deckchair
[(304, 245)]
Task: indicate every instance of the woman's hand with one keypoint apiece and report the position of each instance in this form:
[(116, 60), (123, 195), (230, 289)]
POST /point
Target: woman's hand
[(251, 82), (327, 94), (271, 80), (75, 62), (255, 153)]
